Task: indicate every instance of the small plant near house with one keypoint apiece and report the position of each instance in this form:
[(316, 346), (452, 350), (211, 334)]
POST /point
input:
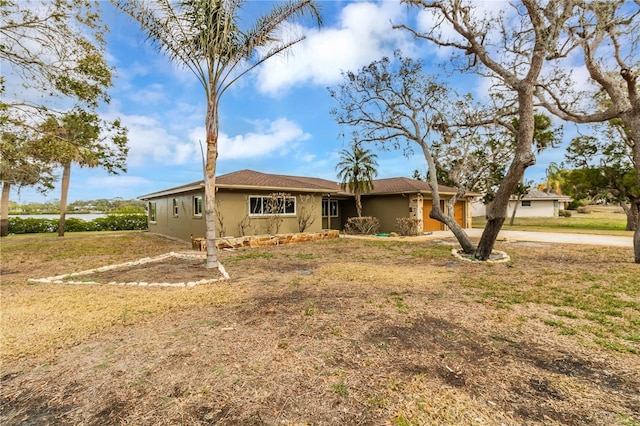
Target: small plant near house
[(276, 205), (220, 219), (408, 226), (362, 225), (305, 211), (244, 225)]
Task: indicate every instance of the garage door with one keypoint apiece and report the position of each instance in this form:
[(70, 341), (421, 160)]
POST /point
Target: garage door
[(458, 213), (428, 223)]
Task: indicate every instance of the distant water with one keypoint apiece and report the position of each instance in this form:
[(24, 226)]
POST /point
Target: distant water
[(86, 217)]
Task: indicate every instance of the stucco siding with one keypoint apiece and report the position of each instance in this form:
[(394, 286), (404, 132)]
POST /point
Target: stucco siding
[(233, 209), (538, 208), (182, 225), (386, 208)]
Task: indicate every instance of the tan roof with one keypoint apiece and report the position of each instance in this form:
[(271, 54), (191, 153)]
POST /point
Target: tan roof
[(405, 185), (250, 179), (253, 179)]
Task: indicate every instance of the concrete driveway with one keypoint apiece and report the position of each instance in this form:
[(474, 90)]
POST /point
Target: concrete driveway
[(512, 236), (547, 237)]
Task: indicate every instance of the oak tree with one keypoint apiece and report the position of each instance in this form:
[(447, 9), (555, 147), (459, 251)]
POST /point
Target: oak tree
[(512, 53)]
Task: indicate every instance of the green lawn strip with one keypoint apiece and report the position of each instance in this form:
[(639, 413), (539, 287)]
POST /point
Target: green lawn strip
[(601, 303)]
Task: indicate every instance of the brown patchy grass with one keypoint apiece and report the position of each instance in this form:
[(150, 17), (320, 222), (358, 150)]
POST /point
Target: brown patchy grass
[(338, 332)]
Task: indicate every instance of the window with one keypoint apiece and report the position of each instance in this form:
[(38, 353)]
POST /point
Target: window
[(175, 207), (526, 203), (197, 205), (152, 212), (266, 206), (330, 206)]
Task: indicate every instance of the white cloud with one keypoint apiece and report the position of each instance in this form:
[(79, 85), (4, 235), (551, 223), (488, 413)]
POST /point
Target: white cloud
[(363, 34), (152, 94), (116, 182), (278, 136), (149, 142)]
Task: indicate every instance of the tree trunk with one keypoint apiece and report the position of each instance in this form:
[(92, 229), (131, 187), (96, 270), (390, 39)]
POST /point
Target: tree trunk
[(522, 159), (210, 180), (64, 185), (436, 213), (4, 209), (636, 233), (515, 210), (358, 203), (632, 213)]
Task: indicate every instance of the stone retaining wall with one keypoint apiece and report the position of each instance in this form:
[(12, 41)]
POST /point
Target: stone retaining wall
[(274, 240)]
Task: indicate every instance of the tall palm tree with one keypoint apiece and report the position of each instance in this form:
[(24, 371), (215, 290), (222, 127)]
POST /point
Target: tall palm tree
[(356, 170), (209, 38)]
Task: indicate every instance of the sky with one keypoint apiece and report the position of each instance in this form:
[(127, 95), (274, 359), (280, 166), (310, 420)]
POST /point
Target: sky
[(274, 120)]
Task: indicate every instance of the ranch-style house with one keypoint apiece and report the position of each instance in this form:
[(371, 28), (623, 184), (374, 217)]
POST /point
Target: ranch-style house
[(246, 200)]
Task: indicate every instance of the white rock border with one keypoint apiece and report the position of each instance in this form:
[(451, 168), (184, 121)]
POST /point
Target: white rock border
[(505, 257), (60, 279)]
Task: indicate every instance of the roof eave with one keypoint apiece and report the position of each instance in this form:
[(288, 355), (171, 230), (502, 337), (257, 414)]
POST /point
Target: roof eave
[(277, 188), (177, 190)]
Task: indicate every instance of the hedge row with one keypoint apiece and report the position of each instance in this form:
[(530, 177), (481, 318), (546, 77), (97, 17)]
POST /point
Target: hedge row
[(112, 222)]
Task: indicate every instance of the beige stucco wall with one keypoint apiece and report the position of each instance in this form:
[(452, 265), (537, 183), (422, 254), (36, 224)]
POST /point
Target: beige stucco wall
[(387, 208), (181, 226), (233, 208)]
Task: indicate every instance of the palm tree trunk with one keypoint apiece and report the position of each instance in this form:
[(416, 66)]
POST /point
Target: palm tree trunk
[(64, 185), (358, 203), (4, 209), (210, 181)]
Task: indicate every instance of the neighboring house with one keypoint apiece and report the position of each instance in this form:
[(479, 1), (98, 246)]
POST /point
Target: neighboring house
[(534, 204), (245, 200)]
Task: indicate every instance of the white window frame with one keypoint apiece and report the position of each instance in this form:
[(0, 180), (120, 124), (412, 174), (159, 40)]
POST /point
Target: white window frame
[(262, 213), (153, 211), (329, 207), (175, 206), (197, 201)]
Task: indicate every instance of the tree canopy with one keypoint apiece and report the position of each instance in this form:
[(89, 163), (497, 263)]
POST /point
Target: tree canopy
[(513, 56)]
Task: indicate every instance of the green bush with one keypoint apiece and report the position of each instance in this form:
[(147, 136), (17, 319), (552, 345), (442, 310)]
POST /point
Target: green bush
[(18, 225), (74, 224), (121, 222), (112, 222)]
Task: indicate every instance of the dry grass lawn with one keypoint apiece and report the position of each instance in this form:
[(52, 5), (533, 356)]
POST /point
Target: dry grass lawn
[(340, 332)]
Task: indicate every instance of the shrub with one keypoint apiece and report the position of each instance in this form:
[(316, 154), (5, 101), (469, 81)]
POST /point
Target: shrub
[(18, 225), (564, 213), (74, 224), (121, 222), (112, 222), (362, 225), (408, 226)]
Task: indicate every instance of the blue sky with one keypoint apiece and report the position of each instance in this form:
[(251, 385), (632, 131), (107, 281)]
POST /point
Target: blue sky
[(275, 120)]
